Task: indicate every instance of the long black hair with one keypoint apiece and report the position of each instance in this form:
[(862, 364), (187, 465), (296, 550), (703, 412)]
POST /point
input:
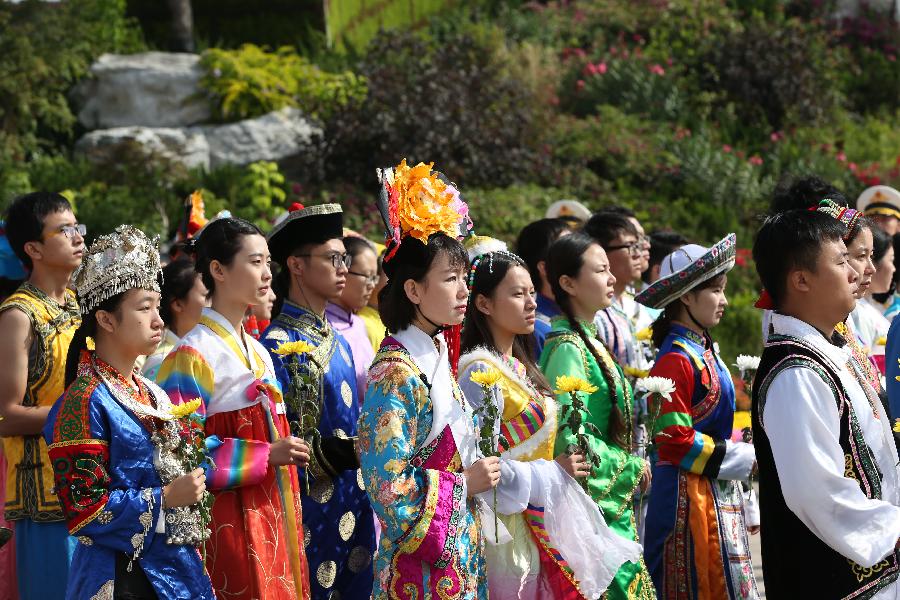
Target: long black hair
[(179, 277), (566, 257), (489, 273), (88, 329), (221, 240), (394, 307)]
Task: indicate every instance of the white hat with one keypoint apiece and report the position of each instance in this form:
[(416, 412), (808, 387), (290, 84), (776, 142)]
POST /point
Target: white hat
[(879, 200)]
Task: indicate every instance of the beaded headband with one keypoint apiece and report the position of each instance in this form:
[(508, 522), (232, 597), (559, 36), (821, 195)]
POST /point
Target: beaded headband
[(844, 214), (481, 248)]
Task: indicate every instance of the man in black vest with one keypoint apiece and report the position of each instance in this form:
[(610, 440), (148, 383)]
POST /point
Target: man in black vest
[(829, 482)]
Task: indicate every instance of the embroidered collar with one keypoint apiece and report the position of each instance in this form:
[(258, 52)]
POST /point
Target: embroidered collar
[(689, 334), (303, 317), (793, 327), (562, 322)]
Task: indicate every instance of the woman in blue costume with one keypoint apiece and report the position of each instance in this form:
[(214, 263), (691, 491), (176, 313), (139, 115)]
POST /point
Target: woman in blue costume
[(695, 543), (337, 516), (125, 495), (416, 433)]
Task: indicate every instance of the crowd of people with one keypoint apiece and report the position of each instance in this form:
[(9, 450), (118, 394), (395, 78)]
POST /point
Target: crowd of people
[(306, 414)]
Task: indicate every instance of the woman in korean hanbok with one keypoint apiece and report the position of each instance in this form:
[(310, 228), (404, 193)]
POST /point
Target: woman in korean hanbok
[(128, 495), (256, 545), (695, 541), (579, 274), (560, 546), (417, 441)]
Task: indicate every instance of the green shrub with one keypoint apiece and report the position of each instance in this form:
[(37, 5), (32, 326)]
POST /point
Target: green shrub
[(250, 81), (449, 100), (774, 74), (631, 82), (44, 49)]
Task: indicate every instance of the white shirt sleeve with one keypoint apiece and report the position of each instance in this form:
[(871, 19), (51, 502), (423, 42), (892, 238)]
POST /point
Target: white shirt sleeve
[(801, 421)]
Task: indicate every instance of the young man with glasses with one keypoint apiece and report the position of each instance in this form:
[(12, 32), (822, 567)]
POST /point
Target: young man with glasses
[(37, 323), (337, 516)]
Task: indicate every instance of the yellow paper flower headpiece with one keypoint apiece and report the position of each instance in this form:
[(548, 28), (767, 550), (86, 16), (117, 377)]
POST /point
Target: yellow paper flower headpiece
[(419, 202)]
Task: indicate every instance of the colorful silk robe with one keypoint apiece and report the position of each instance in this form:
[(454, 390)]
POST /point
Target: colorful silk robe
[(340, 528), (414, 412), (99, 438), (695, 542), (556, 528), (613, 484), (29, 478), (256, 547)]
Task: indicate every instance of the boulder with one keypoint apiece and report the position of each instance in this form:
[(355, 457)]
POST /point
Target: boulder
[(184, 146), (275, 136), (150, 89)]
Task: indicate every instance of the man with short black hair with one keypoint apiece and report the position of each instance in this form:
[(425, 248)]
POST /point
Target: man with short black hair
[(337, 514), (829, 483), (37, 323)]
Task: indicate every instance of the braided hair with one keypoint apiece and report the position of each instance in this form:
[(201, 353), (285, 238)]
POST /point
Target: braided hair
[(566, 257)]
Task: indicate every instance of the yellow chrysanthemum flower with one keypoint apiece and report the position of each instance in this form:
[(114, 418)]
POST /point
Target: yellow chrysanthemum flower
[(299, 347), (487, 378), (635, 372), (644, 335), (183, 410), (567, 384)]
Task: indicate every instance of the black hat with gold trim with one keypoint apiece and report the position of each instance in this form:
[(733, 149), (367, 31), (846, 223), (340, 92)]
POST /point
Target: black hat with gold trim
[(305, 225)]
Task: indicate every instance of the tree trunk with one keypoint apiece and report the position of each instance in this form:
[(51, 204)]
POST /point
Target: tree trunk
[(182, 25)]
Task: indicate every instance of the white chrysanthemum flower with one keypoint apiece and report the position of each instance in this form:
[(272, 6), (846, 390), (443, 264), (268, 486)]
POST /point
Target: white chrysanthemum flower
[(663, 386), (745, 363)]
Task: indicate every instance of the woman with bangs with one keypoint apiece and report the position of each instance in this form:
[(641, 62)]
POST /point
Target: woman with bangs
[(417, 442), (560, 546)]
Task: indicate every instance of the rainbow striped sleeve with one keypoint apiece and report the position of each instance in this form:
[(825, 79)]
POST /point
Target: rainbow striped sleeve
[(679, 443), (185, 376), (238, 462)]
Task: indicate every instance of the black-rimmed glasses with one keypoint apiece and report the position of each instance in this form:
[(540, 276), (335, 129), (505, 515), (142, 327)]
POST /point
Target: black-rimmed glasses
[(337, 259), (634, 248)]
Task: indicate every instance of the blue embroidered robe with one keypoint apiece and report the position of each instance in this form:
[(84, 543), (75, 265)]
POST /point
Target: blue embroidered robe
[(337, 515), (102, 454)]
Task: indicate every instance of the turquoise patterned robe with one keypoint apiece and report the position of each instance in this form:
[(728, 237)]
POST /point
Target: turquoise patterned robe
[(431, 532)]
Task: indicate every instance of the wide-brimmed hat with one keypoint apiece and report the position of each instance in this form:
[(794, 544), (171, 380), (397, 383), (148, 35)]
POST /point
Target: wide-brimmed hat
[(686, 268), (879, 200), (310, 224)]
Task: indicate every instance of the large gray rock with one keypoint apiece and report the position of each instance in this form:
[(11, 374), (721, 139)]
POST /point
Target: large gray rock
[(275, 136), (185, 146), (150, 89)]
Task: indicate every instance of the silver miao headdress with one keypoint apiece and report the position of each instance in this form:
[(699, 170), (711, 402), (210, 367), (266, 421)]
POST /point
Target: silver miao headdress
[(117, 262)]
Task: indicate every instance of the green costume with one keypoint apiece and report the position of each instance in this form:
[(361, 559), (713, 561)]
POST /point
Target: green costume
[(613, 484)]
